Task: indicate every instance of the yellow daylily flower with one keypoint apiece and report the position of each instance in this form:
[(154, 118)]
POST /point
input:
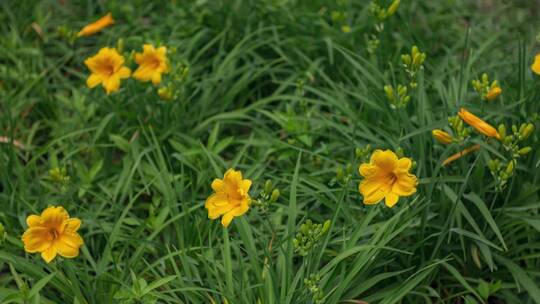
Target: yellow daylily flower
[(231, 198), (386, 177), (52, 233), (152, 63), (108, 69)]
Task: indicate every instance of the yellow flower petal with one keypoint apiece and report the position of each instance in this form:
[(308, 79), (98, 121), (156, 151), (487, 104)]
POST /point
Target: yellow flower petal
[(33, 220), (93, 80), (49, 254), (111, 84), (384, 159), (227, 219), (68, 245), (368, 170), (391, 199), (54, 216), (217, 185), (36, 239), (72, 225)]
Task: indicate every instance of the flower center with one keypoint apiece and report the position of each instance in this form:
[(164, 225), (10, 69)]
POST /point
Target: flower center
[(392, 177), (154, 63), (107, 68), (54, 233)]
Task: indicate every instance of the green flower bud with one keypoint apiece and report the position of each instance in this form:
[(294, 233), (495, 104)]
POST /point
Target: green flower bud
[(339, 173), (514, 129), (326, 226), (393, 8), (502, 131), (527, 131), (275, 195), (524, 151), (406, 59), (358, 153), (510, 168), (268, 186), (389, 90), (120, 45)]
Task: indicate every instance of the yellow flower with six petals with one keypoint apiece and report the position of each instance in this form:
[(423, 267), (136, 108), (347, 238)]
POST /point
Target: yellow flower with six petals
[(51, 233), (108, 69), (152, 63), (97, 26), (231, 197), (386, 177)]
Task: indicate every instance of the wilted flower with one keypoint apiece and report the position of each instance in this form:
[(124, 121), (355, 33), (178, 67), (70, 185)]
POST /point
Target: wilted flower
[(107, 68), (231, 197), (386, 177), (152, 63), (460, 154), (97, 26), (51, 233)]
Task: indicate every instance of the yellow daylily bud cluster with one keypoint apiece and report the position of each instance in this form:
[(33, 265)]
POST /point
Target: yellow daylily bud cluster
[(459, 130), (412, 63), (362, 153), (312, 285), (501, 171), (397, 97), (485, 90), (267, 196), (512, 143), (309, 235), (340, 17), (381, 14), (59, 175), (344, 174)]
